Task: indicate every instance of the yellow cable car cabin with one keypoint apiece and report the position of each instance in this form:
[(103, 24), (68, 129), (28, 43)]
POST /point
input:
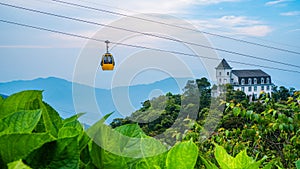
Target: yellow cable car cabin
[(107, 61)]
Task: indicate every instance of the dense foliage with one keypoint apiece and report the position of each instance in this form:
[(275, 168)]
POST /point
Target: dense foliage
[(266, 127)]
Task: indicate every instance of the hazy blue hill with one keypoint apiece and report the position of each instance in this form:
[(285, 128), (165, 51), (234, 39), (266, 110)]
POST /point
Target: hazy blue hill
[(3, 96), (58, 93)]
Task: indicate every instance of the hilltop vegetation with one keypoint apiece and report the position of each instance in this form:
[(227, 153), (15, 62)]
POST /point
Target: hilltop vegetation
[(267, 127)]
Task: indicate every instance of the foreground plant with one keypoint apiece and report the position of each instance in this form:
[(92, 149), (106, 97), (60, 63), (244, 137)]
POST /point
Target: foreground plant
[(33, 135), (226, 161)]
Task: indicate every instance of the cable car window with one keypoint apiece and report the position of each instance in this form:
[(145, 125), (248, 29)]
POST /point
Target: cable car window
[(105, 59), (109, 60)]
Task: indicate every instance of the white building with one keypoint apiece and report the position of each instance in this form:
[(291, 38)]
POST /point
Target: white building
[(252, 82)]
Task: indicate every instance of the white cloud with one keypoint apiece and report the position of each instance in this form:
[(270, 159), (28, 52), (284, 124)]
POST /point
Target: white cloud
[(270, 3), (237, 20), (235, 25), (291, 13), (257, 30)]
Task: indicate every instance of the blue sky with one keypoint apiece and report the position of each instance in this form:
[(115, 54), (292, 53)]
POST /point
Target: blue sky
[(28, 54)]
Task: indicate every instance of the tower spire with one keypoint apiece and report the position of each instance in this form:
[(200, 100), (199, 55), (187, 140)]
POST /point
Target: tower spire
[(224, 65)]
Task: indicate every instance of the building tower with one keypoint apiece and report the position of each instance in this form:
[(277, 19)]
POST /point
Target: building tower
[(223, 73)]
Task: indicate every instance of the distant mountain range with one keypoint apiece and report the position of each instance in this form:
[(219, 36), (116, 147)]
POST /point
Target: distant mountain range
[(58, 93), (3, 96)]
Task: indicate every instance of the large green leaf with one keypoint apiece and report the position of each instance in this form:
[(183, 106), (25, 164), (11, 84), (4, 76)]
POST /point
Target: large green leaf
[(157, 161), (26, 100), (127, 144), (96, 154), (236, 111), (242, 160), (131, 130), (134, 142), (224, 159), (17, 165), (66, 154), (84, 139), (298, 164), (255, 165), (145, 152), (71, 127), (68, 132), (130, 135), (72, 118), (141, 164), (99, 131), (105, 147), (17, 146), (142, 151), (105, 136), (105, 159), (58, 154), (183, 155), (268, 166), (208, 164), (23, 121), (89, 165), (150, 147), (85, 157), (51, 119), (32, 100)]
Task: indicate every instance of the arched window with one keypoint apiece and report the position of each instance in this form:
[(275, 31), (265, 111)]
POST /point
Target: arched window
[(268, 80), (243, 81), (262, 80), (249, 81), (255, 81)]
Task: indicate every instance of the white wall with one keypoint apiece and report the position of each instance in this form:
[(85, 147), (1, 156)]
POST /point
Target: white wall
[(222, 76)]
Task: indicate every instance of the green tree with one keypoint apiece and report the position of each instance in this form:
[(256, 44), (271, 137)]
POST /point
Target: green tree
[(205, 93), (282, 94)]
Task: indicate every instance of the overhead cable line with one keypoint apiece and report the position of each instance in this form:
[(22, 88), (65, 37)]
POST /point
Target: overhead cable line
[(149, 14), (149, 34), (176, 26), (137, 46)]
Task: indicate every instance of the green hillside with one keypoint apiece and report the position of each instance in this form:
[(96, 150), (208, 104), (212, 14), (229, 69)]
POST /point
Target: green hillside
[(267, 127)]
